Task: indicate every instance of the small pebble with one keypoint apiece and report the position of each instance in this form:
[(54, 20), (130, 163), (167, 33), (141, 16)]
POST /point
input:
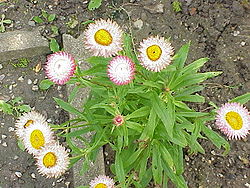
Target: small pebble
[(4, 144), (236, 33), (49, 120), (60, 95), (2, 76), (213, 152), (35, 81), (247, 185), (138, 24), (18, 174), (33, 175), (31, 23), (16, 157), (29, 81), (243, 43), (1, 66), (11, 129), (35, 88), (4, 136)]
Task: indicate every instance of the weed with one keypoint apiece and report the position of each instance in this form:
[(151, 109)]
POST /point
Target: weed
[(3, 22), (176, 5), (22, 63)]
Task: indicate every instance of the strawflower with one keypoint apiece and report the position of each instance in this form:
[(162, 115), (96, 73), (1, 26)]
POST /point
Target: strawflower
[(233, 120), (103, 38)]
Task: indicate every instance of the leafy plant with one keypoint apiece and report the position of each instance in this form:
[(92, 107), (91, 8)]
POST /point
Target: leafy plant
[(21, 63), (177, 6), (94, 4), (44, 17), (158, 122), (14, 107), (3, 22)]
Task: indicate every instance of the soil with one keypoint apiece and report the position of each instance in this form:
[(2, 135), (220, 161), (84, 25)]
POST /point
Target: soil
[(218, 29)]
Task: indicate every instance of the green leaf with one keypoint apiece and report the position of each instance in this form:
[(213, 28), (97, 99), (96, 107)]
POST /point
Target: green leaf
[(54, 46), (133, 157), (6, 108), (189, 90), (242, 99), (156, 163), (7, 21), (51, 17), (73, 94), (119, 170), (149, 129), (166, 155), (37, 19), (216, 139), (20, 145), (24, 108), (85, 167), (165, 115), (135, 126), (141, 112), (87, 22), (45, 84), (192, 114), (55, 30), (95, 60), (68, 107), (181, 56), (94, 4), (191, 98), (193, 67), (72, 146), (45, 14)]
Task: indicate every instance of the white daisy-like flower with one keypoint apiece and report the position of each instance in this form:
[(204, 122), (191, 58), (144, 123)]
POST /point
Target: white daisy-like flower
[(233, 120), (121, 70), (26, 120), (102, 182), (37, 136), (60, 66), (103, 38), (52, 160), (155, 53)]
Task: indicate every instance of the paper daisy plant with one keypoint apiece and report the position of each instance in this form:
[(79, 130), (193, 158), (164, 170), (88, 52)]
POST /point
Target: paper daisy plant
[(60, 66), (52, 160), (103, 38), (36, 137), (233, 120), (26, 120), (155, 53), (102, 182), (121, 70)]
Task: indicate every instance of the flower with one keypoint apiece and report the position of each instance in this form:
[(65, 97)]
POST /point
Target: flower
[(36, 137), (102, 182), (155, 53), (103, 38), (233, 120), (118, 120), (52, 160), (121, 70), (60, 66), (26, 120)]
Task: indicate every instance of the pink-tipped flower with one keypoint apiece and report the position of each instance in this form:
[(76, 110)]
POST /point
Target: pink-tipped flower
[(121, 70), (155, 53), (52, 160), (102, 182), (103, 38), (60, 66), (118, 120), (233, 120)]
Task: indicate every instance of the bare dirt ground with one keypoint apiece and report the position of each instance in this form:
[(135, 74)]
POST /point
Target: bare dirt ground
[(218, 29)]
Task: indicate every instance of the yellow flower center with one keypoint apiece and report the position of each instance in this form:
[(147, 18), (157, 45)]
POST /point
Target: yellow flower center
[(234, 120), (154, 52), (28, 123), (101, 185), (49, 160), (103, 37), (37, 139)]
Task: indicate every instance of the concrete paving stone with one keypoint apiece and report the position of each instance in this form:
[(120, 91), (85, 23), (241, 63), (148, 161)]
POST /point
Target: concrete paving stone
[(75, 47), (18, 44)]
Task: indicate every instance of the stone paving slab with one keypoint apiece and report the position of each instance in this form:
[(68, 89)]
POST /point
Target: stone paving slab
[(18, 44), (75, 47)]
